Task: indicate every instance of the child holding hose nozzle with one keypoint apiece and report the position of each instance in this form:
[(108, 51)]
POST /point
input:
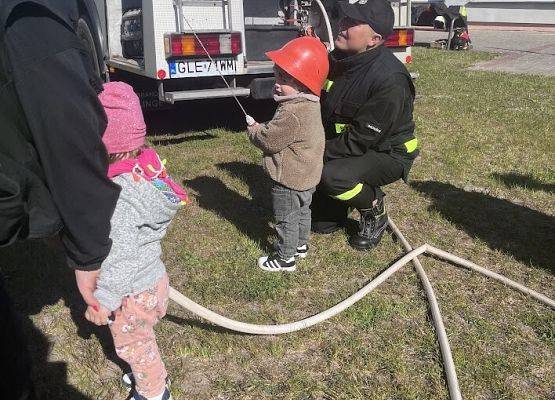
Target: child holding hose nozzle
[(293, 146), (132, 289)]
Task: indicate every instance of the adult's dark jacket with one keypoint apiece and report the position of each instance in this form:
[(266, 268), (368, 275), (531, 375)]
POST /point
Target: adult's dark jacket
[(52, 161), (372, 96)]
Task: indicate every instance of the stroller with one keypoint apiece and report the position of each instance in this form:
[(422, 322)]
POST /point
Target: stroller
[(450, 19), (458, 39)]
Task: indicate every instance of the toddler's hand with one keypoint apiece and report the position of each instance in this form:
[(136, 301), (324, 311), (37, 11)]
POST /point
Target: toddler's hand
[(251, 128), (250, 120), (98, 316), (251, 124)]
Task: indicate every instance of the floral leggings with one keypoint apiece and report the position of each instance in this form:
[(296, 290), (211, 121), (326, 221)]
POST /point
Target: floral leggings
[(133, 333)]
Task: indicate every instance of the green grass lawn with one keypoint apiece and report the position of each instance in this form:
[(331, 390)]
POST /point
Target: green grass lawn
[(483, 188)]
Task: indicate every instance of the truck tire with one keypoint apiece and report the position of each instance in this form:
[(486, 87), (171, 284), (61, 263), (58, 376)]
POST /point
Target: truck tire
[(84, 33)]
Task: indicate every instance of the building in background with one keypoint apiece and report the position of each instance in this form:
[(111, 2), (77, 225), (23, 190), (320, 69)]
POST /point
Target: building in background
[(512, 13), (503, 13)]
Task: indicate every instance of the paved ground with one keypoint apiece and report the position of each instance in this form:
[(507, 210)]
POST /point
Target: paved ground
[(523, 52)]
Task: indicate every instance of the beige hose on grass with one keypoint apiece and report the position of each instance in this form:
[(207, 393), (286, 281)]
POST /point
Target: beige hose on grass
[(449, 366), (447, 356), (278, 329)]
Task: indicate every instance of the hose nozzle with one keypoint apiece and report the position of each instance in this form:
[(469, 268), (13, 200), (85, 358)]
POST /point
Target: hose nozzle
[(250, 120)]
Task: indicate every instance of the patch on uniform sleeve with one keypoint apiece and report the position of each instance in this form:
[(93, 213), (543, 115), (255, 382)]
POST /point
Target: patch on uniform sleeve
[(374, 128)]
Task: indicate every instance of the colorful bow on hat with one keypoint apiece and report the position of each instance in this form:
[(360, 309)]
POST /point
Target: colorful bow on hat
[(149, 166)]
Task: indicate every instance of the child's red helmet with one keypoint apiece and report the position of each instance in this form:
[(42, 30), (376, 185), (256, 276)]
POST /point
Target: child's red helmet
[(305, 59)]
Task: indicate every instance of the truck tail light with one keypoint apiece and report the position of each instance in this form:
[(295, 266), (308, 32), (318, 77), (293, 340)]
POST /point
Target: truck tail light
[(401, 38), (216, 44)]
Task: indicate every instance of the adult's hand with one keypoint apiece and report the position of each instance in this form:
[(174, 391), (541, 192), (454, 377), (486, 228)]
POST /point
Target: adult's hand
[(86, 283)]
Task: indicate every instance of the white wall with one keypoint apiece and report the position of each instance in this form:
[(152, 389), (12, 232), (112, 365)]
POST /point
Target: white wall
[(505, 11), (512, 12)]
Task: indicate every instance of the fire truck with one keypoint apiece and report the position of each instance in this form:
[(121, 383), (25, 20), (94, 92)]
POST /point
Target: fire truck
[(177, 50)]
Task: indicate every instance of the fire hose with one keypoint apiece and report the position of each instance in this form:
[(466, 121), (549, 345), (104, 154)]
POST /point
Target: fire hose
[(412, 255)]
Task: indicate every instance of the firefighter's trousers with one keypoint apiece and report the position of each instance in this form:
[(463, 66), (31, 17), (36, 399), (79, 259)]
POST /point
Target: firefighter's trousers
[(353, 183)]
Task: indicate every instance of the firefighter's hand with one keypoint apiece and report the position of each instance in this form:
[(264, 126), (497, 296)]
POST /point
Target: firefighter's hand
[(98, 315), (309, 31), (86, 282)]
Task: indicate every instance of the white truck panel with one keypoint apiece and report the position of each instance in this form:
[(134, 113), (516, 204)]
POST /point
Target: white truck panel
[(160, 18), (401, 10), (402, 13), (113, 24), (113, 9)]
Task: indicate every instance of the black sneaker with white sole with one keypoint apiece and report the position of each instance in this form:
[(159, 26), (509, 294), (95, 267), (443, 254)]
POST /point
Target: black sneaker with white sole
[(275, 264), (129, 381), (164, 396), (302, 251)]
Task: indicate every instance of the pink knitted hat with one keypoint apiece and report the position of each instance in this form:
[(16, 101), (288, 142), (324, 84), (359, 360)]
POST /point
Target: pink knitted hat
[(126, 128)]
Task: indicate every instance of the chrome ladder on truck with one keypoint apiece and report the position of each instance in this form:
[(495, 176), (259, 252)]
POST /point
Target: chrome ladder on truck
[(182, 25), (402, 17)]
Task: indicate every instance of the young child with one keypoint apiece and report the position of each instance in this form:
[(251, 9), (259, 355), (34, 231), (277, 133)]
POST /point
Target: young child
[(293, 145), (132, 289)]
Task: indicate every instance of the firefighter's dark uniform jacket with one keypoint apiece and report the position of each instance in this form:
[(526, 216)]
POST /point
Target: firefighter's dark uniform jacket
[(53, 164), (368, 106), (367, 109)]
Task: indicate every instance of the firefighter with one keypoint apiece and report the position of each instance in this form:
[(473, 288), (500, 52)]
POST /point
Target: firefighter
[(53, 165), (367, 114)]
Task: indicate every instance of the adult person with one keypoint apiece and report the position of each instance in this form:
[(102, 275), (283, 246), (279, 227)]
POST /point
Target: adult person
[(53, 165), (367, 114)]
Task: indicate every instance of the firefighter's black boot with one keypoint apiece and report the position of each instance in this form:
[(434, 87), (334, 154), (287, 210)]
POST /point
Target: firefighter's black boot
[(373, 223)]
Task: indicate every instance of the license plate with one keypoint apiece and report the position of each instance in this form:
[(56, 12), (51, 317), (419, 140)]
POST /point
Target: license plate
[(188, 68)]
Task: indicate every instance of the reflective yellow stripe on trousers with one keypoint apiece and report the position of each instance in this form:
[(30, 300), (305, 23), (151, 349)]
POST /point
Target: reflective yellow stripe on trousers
[(348, 195), (411, 145)]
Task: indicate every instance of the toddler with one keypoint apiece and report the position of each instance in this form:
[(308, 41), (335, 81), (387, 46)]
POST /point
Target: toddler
[(293, 146), (132, 289)]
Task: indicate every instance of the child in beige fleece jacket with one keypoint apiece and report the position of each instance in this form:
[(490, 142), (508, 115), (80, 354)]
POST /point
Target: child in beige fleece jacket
[(293, 145)]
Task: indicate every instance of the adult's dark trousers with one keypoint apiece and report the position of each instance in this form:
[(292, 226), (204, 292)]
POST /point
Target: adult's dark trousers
[(15, 380), (353, 182)]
